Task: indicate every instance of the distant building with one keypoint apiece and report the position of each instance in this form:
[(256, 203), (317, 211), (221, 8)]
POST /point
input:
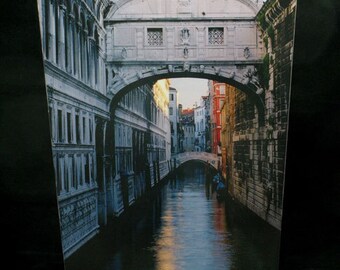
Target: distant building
[(174, 119), (207, 124), (217, 95), (200, 125), (188, 127)]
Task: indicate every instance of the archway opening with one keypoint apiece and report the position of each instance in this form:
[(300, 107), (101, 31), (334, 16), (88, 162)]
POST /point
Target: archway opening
[(141, 140), (253, 95)]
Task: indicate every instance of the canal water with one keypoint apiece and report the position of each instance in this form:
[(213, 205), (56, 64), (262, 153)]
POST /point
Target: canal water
[(182, 226)]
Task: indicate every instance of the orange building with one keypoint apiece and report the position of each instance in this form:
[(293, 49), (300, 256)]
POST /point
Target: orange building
[(227, 131)]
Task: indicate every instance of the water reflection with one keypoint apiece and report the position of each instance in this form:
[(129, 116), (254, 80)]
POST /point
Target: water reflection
[(183, 227)]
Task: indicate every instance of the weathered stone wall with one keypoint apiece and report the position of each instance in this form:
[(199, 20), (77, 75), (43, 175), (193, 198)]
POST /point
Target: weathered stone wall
[(256, 172)]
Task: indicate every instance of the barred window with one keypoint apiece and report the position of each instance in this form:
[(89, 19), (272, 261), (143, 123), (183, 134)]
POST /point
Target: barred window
[(216, 36), (155, 36)]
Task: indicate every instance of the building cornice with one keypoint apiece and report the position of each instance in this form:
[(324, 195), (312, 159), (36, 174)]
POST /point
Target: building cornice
[(180, 62), (54, 71), (52, 92), (108, 22)]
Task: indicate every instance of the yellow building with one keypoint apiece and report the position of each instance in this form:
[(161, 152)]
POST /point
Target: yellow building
[(161, 95)]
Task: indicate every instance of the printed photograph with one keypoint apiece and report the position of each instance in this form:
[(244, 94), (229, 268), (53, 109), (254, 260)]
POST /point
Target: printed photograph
[(169, 128)]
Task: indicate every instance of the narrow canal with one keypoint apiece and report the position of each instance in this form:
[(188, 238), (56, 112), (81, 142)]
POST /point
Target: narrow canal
[(182, 226)]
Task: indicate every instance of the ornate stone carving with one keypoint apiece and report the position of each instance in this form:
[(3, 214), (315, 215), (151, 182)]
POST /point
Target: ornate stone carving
[(124, 53), (185, 52), (202, 68), (154, 70), (186, 66), (252, 78), (185, 36), (231, 75), (217, 70), (246, 52), (140, 75)]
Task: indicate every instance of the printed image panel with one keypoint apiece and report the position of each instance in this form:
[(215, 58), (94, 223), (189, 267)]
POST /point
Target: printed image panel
[(169, 125)]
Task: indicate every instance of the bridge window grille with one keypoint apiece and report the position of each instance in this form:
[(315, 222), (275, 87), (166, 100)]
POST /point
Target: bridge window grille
[(216, 36), (155, 36)]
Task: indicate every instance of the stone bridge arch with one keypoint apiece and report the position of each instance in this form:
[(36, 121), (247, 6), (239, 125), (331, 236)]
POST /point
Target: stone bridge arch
[(243, 78), (204, 157), (156, 39)]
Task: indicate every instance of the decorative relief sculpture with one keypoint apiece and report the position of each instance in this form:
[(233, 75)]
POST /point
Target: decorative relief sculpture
[(124, 53), (186, 66), (185, 36), (202, 68), (185, 52), (246, 52), (217, 70)]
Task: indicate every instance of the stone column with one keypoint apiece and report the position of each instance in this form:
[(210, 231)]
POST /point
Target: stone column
[(92, 60), (61, 36), (170, 36), (140, 42), (103, 76), (75, 46), (74, 128), (53, 121), (43, 30), (85, 55), (51, 33), (71, 43), (79, 48), (231, 35), (201, 42)]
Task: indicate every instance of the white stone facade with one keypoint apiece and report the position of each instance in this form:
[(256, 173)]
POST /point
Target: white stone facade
[(101, 58), (74, 52), (141, 136), (189, 137), (174, 119), (200, 126)]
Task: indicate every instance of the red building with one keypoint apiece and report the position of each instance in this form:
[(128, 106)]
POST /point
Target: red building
[(217, 95)]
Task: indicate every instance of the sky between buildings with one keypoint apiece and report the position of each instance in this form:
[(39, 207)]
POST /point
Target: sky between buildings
[(190, 90)]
